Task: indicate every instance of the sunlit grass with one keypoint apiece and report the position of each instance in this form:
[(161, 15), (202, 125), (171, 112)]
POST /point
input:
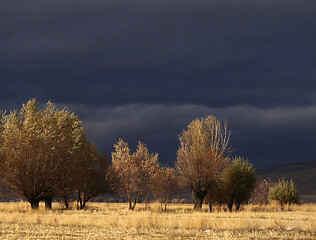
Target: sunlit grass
[(115, 221)]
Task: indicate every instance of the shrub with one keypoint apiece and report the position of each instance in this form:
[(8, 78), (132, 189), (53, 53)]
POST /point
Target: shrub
[(284, 192), (238, 180)]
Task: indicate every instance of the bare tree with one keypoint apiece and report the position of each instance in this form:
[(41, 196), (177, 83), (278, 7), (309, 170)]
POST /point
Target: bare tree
[(165, 186), (260, 194), (131, 174), (201, 155)]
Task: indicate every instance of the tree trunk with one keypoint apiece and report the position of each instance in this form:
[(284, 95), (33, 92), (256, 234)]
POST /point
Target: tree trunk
[(66, 203), (79, 201), (48, 202), (199, 197), (282, 206), (130, 204), (209, 206), (82, 200), (134, 204), (34, 203), (237, 206), (82, 205), (230, 203), (198, 203)]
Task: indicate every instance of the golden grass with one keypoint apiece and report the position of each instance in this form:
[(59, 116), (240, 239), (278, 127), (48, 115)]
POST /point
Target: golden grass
[(115, 221)]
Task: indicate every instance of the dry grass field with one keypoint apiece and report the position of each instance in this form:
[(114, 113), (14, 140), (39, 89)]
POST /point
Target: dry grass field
[(114, 221)]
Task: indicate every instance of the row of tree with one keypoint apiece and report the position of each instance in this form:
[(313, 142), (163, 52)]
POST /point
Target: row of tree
[(45, 154)]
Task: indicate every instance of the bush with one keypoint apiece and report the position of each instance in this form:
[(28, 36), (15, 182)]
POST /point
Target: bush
[(284, 192), (238, 182)]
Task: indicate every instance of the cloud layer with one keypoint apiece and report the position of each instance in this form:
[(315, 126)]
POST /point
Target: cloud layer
[(215, 53), (145, 69), (266, 136)]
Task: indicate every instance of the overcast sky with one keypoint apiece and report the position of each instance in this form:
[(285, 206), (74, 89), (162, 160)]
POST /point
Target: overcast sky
[(143, 70)]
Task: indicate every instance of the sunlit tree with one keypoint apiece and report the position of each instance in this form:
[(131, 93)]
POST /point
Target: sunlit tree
[(131, 174), (39, 148), (201, 155), (284, 192), (238, 182)]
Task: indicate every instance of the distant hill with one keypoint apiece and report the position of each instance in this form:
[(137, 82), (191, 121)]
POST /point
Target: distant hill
[(303, 175)]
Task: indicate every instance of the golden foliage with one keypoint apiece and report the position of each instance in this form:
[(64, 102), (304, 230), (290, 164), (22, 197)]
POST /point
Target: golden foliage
[(131, 174), (39, 147), (201, 155)]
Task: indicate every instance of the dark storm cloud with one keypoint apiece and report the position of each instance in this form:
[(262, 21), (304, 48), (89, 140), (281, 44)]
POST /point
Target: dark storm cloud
[(266, 136), (143, 70), (236, 52)]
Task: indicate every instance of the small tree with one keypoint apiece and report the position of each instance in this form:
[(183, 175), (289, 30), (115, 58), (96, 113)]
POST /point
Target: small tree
[(284, 192), (90, 174), (239, 180), (165, 185), (132, 174), (201, 155), (260, 193)]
